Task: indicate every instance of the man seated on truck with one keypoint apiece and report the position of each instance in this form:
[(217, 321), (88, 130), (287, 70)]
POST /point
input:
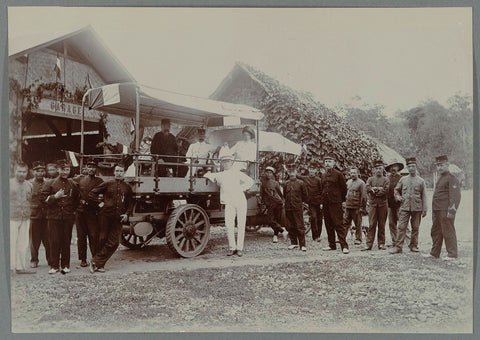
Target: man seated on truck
[(198, 152), (165, 144)]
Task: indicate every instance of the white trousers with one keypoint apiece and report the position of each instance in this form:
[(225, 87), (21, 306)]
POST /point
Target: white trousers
[(238, 209), (19, 242)]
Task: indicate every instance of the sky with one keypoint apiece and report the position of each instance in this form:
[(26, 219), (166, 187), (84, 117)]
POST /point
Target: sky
[(393, 57)]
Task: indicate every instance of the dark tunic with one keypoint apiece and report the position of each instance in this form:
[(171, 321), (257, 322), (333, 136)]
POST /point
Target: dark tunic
[(447, 192), (314, 188), (271, 193), (117, 197), (62, 208), (295, 193), (38, 207), (164, 144), (85, 185), (392, 203), (334, 187)]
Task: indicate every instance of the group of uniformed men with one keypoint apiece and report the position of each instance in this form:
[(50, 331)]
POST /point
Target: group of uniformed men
[(44, 210), (402, 198)]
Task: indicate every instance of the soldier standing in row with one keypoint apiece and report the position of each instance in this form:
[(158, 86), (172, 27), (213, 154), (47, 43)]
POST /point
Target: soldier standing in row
[(295, 194), (38, 216), (116, 207), (333, 194), (87, 222), (445, 202), (411, 192), (377, 189), (356, 200), (393, 205), (314, 188), (20, 195), (272, 197), (62, 197)]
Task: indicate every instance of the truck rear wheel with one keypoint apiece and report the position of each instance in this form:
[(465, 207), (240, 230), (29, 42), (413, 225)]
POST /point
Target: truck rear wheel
[(188, 230)]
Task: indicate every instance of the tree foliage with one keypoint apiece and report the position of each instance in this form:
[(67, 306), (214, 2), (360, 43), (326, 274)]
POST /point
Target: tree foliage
[(425, 131)]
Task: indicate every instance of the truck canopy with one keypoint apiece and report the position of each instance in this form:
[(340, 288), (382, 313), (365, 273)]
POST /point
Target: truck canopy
[(155, 105)]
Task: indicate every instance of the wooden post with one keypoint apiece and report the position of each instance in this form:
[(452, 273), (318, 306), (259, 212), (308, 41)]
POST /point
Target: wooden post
[(64, 67), (137, 125)]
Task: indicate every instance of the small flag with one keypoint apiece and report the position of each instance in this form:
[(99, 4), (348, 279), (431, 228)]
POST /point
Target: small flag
[(71, 155), (58, 68)]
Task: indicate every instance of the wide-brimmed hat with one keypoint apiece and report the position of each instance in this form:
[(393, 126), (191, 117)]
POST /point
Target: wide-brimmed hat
[(393, 163), (227, 157), (269, 168), (441, 159), (249, 130), (38, 165)]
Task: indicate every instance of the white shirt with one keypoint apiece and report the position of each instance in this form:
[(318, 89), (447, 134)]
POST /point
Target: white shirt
[(245, 151), (232, 184), (199, 150)]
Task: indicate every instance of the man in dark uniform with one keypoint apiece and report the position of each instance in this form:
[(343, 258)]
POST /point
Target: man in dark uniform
[(62, 197), (115, 208), (377, 190), (394, 169), (295, 194), (445, 202), (334, 192), (87, 226), (38, 216), (164, 143), (314, 188), (273, 199)]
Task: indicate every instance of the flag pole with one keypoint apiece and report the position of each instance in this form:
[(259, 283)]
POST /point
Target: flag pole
[(64, 67)]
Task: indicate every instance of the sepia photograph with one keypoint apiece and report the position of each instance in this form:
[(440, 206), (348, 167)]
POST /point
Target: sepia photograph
[(281, 170)]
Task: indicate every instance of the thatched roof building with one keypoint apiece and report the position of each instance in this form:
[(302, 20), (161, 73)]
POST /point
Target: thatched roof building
[(299, 117)]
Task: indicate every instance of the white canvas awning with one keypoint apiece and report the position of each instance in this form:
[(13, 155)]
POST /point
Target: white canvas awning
[(272, 141), (155, 105)]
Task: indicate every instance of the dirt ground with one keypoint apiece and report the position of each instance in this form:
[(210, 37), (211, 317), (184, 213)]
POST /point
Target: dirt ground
[(269, 289)]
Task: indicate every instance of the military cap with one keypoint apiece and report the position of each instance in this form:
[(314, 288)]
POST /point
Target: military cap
[(249, 130), (91, 161), (378, 162), (411, 160), (269, 168), (441, 159), (38, 165), (291, 166), (330, 156), (393, 163), (63, 163)]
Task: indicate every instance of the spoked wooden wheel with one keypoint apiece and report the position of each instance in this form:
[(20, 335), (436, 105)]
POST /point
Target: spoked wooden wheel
[(188, 230), (306, 218), (133, 241)]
